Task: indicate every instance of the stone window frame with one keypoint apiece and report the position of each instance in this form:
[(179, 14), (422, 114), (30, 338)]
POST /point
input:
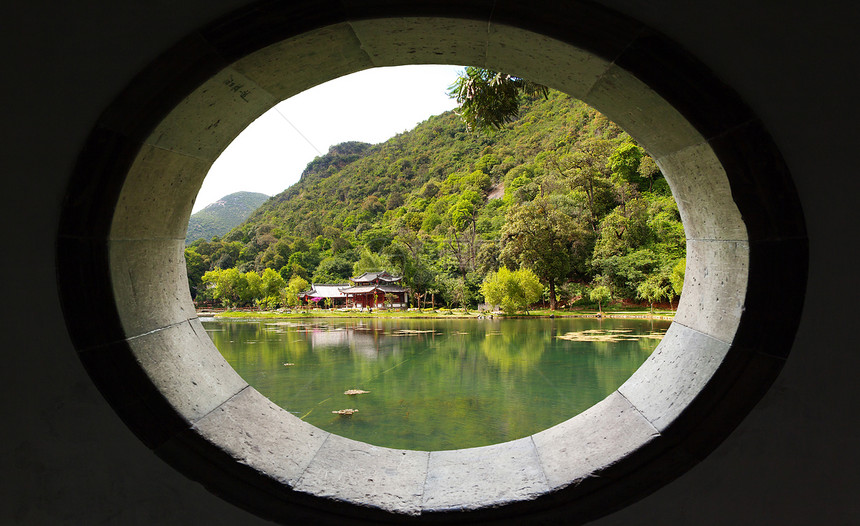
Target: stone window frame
[(124, 293)]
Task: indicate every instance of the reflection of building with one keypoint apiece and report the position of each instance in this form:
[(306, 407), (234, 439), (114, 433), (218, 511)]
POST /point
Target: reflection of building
[(359, 340), (319, 292), (374, 289)]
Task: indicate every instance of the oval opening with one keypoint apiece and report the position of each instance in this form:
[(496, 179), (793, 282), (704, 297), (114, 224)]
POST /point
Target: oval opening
[(121, 249), (456, 373)]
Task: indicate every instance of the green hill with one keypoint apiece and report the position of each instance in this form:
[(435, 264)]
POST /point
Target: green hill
[(223, 215), (562, 191)]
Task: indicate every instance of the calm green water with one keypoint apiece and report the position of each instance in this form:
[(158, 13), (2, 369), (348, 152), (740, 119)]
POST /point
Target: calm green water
[(436, 384)]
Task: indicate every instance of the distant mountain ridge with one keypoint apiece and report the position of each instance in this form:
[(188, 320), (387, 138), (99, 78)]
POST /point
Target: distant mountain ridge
[(223, 215)]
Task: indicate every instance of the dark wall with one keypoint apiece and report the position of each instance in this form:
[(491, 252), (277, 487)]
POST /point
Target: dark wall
[(67, 459)]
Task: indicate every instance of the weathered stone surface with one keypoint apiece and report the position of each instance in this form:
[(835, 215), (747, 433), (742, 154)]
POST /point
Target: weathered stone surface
[(150, 210), (591, 441), (150, 284), (715, 286), (212, 116), (701, 188), (390, 479), (186, 367), (674, 374), (411, 40), (296, 64), (649, 119), (259, 434), (481, 477), (543, 60)]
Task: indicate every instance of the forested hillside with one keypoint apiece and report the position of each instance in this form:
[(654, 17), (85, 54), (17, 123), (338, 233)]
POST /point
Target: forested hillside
[(223, 215), (561, 191)]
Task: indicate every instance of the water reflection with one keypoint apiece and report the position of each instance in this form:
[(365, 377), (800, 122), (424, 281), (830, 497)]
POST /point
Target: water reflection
[(436, 384)]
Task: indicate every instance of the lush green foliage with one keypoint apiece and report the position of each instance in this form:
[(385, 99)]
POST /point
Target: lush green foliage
[(512, 290), (221, 216), (600, 294), (561, 191), (489, 99)]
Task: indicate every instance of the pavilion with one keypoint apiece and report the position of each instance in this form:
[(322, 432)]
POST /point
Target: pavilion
[(322, 291), (372, 289)]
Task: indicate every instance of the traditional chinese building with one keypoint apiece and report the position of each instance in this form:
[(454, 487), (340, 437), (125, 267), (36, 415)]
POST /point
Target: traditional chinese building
[(374, 289), (319, 292)]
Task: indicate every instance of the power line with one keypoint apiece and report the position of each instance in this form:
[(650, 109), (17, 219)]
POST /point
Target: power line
[(297, 130)]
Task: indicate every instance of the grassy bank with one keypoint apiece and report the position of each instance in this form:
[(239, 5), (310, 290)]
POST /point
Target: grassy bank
[(438, 313)]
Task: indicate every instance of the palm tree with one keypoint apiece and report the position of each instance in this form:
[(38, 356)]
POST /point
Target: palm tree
[(489, 99)]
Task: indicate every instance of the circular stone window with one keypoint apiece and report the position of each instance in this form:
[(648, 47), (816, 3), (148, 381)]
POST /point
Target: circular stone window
[(126, 301)]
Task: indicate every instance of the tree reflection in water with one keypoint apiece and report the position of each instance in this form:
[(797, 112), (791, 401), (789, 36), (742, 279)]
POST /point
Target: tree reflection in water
[(435, 384)]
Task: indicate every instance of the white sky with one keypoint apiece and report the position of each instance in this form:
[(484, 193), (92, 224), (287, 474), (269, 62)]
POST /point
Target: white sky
[(370, 106)]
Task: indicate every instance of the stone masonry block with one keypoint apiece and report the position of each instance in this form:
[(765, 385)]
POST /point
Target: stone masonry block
[(701, 189), (398, 41), (187, 369), (674, 374), (208, 119), (637, 109), (715, 287), (299, 63), (592, 441), (465, 479), (259, 434), (544, 60), (158, 195), (347, 470), (150, 284)]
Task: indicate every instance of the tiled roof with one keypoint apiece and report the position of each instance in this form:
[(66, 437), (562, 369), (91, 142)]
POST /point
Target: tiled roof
[(373, 276), (366, 289), (325, 290)]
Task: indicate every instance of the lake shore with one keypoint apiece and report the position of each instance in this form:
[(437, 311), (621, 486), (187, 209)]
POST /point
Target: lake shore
[(431, 314)]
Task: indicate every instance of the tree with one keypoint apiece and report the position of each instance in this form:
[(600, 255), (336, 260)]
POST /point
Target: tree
[(368, 262), (676, 276), (587, 169), (489, 99), (271, 285), (537, 235), (463, 235), (251, 289), (455, 291), (653, 289), (333, 270), (600, 294), (390, 299), (229, 286), (195, 265), (511, 290), (291, 294)]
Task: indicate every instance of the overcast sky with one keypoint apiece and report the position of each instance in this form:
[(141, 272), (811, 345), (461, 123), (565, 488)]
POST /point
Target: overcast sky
[(370, 106)]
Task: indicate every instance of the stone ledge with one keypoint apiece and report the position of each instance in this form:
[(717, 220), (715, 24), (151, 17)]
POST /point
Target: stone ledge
[(468, 479), (259, 434), (701, 189), (593, 440), (187, 369), (150, 284), (367, 475), (715, 287), (673, 375)]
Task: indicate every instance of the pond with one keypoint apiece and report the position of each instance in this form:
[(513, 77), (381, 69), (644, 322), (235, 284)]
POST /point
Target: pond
[(436, 384)]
